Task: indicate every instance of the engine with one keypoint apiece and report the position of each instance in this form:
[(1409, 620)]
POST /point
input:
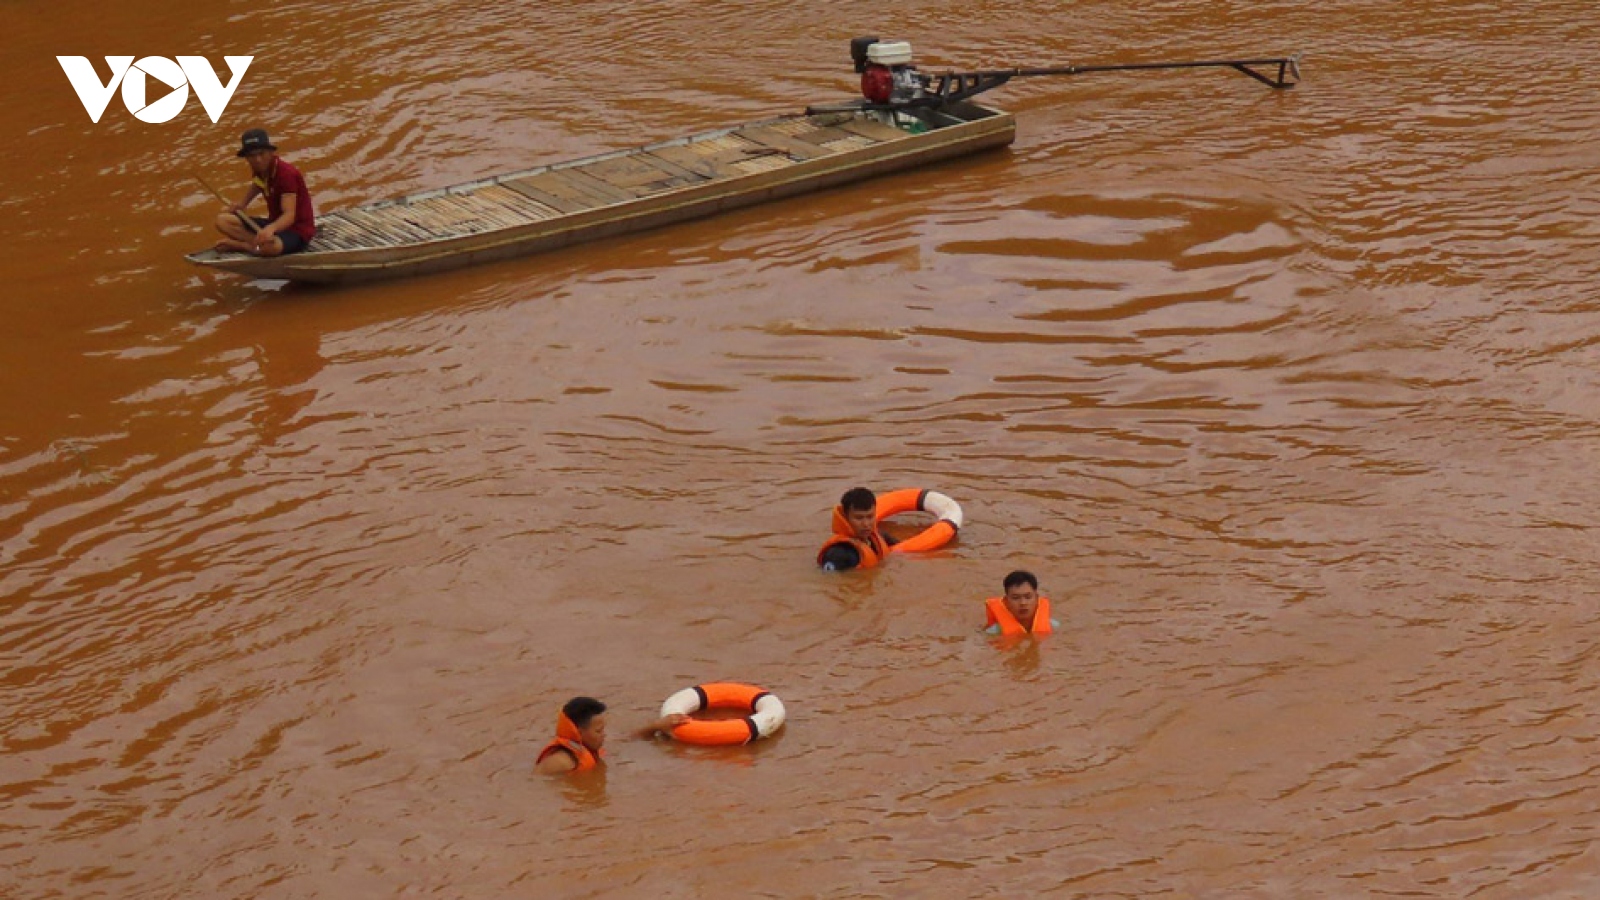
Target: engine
[(887, 75)]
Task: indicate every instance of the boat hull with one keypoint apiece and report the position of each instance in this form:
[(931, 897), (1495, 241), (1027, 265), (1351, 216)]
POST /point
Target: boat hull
[(409, 243)]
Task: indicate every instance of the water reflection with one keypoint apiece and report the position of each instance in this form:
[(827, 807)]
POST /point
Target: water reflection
[(1022, 654), (581, 791), (287, 357)]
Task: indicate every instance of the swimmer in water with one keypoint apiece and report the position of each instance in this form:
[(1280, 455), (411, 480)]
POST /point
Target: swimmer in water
[(856, 541), (1020, 610), (581, 737)]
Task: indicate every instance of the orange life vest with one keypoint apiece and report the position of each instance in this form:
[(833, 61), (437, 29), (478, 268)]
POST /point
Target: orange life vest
[(569, 739), (872, 550), (1009, 626)]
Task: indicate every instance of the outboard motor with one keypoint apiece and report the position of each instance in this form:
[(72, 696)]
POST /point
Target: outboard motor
[(887, 75)]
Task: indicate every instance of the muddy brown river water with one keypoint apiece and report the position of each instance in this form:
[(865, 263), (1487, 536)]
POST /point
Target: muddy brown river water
[(1289, 398)]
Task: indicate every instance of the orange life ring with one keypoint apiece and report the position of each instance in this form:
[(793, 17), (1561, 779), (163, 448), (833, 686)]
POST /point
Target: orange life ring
[(763, 711), (934, 536)]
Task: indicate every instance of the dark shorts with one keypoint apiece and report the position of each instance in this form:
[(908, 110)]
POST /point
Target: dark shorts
[(292, 241)]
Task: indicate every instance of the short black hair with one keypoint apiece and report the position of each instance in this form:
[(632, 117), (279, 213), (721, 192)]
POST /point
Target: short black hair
[(1019, 577), (858, 498), (582, 710)]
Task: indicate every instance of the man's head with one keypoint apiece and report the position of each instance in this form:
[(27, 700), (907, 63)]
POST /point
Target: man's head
[(589, 715), (861, 511), (1022, 596), (257, 149)]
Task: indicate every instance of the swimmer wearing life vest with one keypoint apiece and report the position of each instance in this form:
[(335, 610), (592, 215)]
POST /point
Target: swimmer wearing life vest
[(1020, 611), (581, 735), (856, 541)]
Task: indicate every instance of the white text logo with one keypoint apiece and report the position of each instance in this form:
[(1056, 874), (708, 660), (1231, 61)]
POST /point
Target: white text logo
[(178, 77)]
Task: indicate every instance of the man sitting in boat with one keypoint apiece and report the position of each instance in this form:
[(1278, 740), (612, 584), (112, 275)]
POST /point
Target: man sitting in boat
[(290, 223), (856, 540), (581, 735), (1020, 610)]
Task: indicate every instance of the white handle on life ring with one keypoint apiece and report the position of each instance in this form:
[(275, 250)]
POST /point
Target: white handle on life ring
[(943, 507)]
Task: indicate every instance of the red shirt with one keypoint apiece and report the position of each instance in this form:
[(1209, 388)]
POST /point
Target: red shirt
[(286, 179)]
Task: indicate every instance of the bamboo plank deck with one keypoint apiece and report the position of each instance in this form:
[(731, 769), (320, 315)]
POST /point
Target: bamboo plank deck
[(777, 140), (873, 130), (527, 205), (597, 186), (535, 189), (686, 159)]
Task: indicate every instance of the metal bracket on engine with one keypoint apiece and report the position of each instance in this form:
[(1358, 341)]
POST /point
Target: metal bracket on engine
[(952, 86)]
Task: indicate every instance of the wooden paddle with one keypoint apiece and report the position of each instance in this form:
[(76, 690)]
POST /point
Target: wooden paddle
[(248, 222)]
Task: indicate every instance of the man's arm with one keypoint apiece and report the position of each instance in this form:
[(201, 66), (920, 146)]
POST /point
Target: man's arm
[(663, 725), (284, 220), (249, 197)]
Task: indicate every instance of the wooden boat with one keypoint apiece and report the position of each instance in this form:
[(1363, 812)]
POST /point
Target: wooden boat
[(625, 191)]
